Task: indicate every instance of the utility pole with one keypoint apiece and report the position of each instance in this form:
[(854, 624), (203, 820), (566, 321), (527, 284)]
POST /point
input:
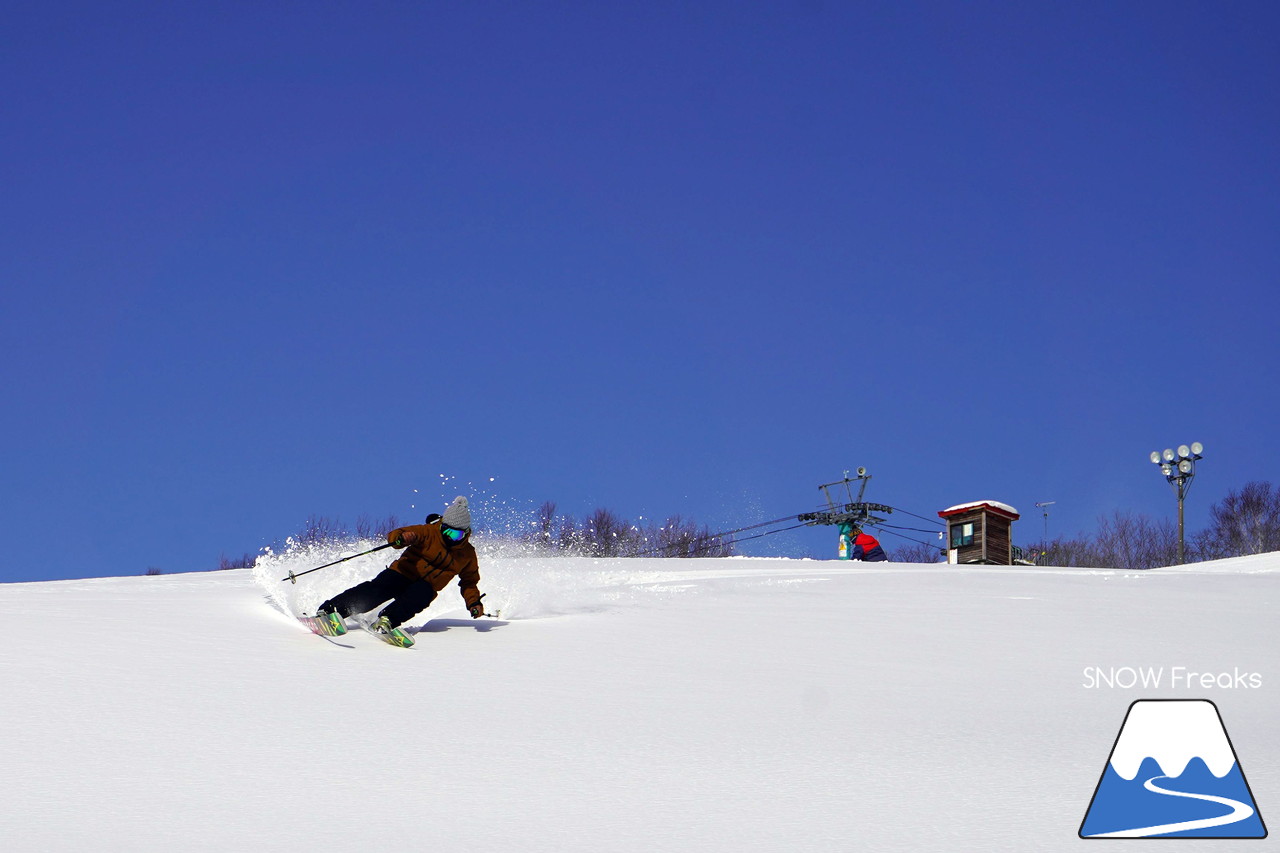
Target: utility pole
[(1044, 506)]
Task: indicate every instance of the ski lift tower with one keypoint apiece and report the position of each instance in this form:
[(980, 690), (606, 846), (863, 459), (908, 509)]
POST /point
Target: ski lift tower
[(848, 515)]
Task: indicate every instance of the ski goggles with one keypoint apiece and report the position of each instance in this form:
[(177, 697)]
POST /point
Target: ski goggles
[(453, 534)]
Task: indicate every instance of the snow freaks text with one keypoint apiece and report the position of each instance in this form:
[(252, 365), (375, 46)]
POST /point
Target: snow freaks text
[(1173, 677)]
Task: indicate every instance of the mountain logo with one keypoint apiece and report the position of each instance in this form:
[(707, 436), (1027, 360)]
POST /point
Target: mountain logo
[(1173, 773)]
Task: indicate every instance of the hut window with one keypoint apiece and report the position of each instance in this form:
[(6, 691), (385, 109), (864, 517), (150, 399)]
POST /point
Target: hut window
[(962, 534)]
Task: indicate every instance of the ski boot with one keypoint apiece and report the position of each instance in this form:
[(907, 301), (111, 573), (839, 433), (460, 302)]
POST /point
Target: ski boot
[(382, 629), (330, 622)]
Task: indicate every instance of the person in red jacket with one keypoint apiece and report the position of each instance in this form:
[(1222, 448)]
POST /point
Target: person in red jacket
[(856, 545), (434, 554), (866, 548)]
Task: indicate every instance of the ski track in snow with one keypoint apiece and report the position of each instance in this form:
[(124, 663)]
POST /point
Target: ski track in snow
[(1239, 811)]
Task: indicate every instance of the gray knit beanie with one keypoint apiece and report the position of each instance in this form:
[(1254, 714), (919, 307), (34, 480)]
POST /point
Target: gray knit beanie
[(458, 515)]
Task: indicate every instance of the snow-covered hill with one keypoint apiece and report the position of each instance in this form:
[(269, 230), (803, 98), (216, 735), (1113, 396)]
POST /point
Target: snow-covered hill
[(733, 705)]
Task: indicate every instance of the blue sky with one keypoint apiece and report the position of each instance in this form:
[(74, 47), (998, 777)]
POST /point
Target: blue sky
[(264, 261)]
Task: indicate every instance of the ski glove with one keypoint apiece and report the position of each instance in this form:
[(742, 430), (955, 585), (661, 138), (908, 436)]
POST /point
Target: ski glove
[(405, 539), (476, 610)]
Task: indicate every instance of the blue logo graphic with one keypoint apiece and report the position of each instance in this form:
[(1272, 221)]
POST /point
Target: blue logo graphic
[(1173, 773)]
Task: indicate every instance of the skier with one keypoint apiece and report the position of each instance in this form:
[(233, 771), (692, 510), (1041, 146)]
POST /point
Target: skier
[(435, 553), (859, 545), (866, 548)]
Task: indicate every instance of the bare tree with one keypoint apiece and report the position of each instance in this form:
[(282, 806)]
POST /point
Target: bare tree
[(568, 538), (918, 552), (244, 561), (319, 529), (604, 533), (1129, 541), (680, 537), (1124, 541), (371, 528), (1244, 522), (607, 534), (542, 535), (1077, 552)]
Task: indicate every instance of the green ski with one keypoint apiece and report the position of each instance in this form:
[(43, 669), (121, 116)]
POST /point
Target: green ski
[(325, 624)]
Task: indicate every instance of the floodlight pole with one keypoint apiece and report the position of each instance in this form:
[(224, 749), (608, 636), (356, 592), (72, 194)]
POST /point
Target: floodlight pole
[(1179, 469)]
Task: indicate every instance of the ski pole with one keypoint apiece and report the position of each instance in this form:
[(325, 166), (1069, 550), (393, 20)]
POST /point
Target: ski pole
[(497, 614), (293, 578)]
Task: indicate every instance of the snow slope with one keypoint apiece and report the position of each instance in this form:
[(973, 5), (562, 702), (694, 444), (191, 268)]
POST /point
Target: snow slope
[(735, 705)]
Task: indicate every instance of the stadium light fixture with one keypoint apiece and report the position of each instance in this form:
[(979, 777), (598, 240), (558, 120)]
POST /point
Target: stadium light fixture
[(1179, 470)]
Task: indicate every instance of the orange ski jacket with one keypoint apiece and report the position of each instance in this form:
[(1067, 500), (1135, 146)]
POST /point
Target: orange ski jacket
[(429, 559)]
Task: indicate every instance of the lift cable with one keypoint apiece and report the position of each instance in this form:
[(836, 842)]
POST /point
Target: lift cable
[(858, 513), (717, 540), (761, 535), (932, 545), (915, 529)]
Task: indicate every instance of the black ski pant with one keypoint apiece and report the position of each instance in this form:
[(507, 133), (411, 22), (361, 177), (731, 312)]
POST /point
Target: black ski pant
[(411, 596)]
